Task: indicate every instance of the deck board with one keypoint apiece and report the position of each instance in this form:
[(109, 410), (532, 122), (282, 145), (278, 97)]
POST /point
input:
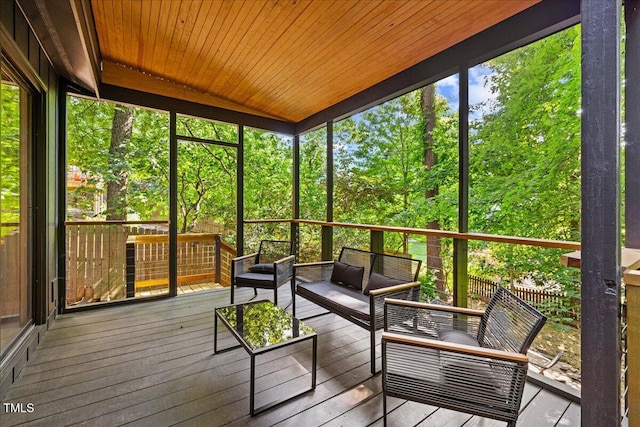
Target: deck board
[(153, 364)]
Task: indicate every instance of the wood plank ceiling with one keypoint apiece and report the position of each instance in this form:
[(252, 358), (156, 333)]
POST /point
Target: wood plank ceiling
[(280, 59)]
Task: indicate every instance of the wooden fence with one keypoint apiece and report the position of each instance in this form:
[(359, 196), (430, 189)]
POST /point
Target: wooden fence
[(549, 302), (97, 261)]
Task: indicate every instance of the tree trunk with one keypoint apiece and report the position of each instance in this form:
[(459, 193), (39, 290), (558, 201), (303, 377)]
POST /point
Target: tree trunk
[(430, 159), (118, 169)]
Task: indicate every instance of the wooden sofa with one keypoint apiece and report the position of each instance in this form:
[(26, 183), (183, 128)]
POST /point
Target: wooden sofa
[(355, 286)]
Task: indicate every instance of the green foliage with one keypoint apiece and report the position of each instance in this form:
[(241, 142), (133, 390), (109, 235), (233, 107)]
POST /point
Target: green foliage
[(268, 182), (145, 159), (379, 177), (206, 129), (207, 177), (525, 152), (10, 171), (428, 281), (313, 175), (206, 186), (268, 175), (377, 164)]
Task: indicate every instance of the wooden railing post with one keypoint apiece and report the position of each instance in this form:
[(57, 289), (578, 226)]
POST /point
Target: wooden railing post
[(376, 243), (327, 243), (632, 282)]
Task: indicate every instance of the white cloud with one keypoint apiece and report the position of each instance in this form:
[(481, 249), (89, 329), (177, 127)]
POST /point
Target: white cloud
[(479, 91), (451, 81), (448, 88)]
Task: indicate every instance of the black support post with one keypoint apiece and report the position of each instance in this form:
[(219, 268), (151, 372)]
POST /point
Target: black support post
[(218, 250), (61, 208), (632, 122), (461, 246), (240, 193), (173, 205), (130, 272), (295, 228), (327, 232), (600, 264), (40, 196)]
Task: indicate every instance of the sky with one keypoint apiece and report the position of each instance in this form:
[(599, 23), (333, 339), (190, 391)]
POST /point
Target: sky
[(478, 91)]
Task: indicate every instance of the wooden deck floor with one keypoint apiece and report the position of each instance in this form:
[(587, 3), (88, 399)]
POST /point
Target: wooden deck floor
[(152, 364)]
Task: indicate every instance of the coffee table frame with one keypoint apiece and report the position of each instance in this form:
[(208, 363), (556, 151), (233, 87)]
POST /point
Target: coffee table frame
[(256, 352)]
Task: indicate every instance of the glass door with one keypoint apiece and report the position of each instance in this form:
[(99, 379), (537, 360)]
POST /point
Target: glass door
[(117, 202), (207, 190), (15, 223)]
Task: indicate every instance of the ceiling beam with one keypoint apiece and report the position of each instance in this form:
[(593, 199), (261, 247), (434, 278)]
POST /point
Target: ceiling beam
[(170, 104)]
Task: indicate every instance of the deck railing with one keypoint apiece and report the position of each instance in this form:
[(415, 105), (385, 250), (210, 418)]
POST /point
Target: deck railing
[(96, 259), (202, 258)]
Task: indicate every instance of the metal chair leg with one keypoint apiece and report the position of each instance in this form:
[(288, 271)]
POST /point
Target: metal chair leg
[(384, 408), (373, 351)]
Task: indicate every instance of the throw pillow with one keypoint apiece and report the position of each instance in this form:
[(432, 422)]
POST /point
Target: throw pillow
[(347, 275), (378, 281)]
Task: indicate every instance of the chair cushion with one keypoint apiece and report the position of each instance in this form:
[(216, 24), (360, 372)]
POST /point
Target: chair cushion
[(476, 373), (262, 268), (337, 298), (348, 275), (455, 336), (378, 281), (255, 280)]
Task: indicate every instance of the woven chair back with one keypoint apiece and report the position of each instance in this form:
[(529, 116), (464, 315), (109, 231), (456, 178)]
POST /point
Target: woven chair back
[(397, 267), (509, 323), (273, 250)]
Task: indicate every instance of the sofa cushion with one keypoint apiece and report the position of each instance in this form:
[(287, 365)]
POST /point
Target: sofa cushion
[(262, 268), (348, 275), (378, 281), (337, 298)]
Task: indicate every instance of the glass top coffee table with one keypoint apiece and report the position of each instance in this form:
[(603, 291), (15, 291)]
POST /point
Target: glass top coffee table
[(260, 327)]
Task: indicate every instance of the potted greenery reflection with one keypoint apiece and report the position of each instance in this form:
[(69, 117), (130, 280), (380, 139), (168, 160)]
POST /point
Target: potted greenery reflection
[(263, 324)]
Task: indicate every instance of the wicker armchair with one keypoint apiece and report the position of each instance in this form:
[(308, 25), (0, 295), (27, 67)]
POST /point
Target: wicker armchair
[(269, 268), (467, 360)]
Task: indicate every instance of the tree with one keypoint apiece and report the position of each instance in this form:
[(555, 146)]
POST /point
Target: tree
[(525, 153), (133, 156), (377, 167), (313, 174), (207, 176), (118, 175), (430, 159)]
